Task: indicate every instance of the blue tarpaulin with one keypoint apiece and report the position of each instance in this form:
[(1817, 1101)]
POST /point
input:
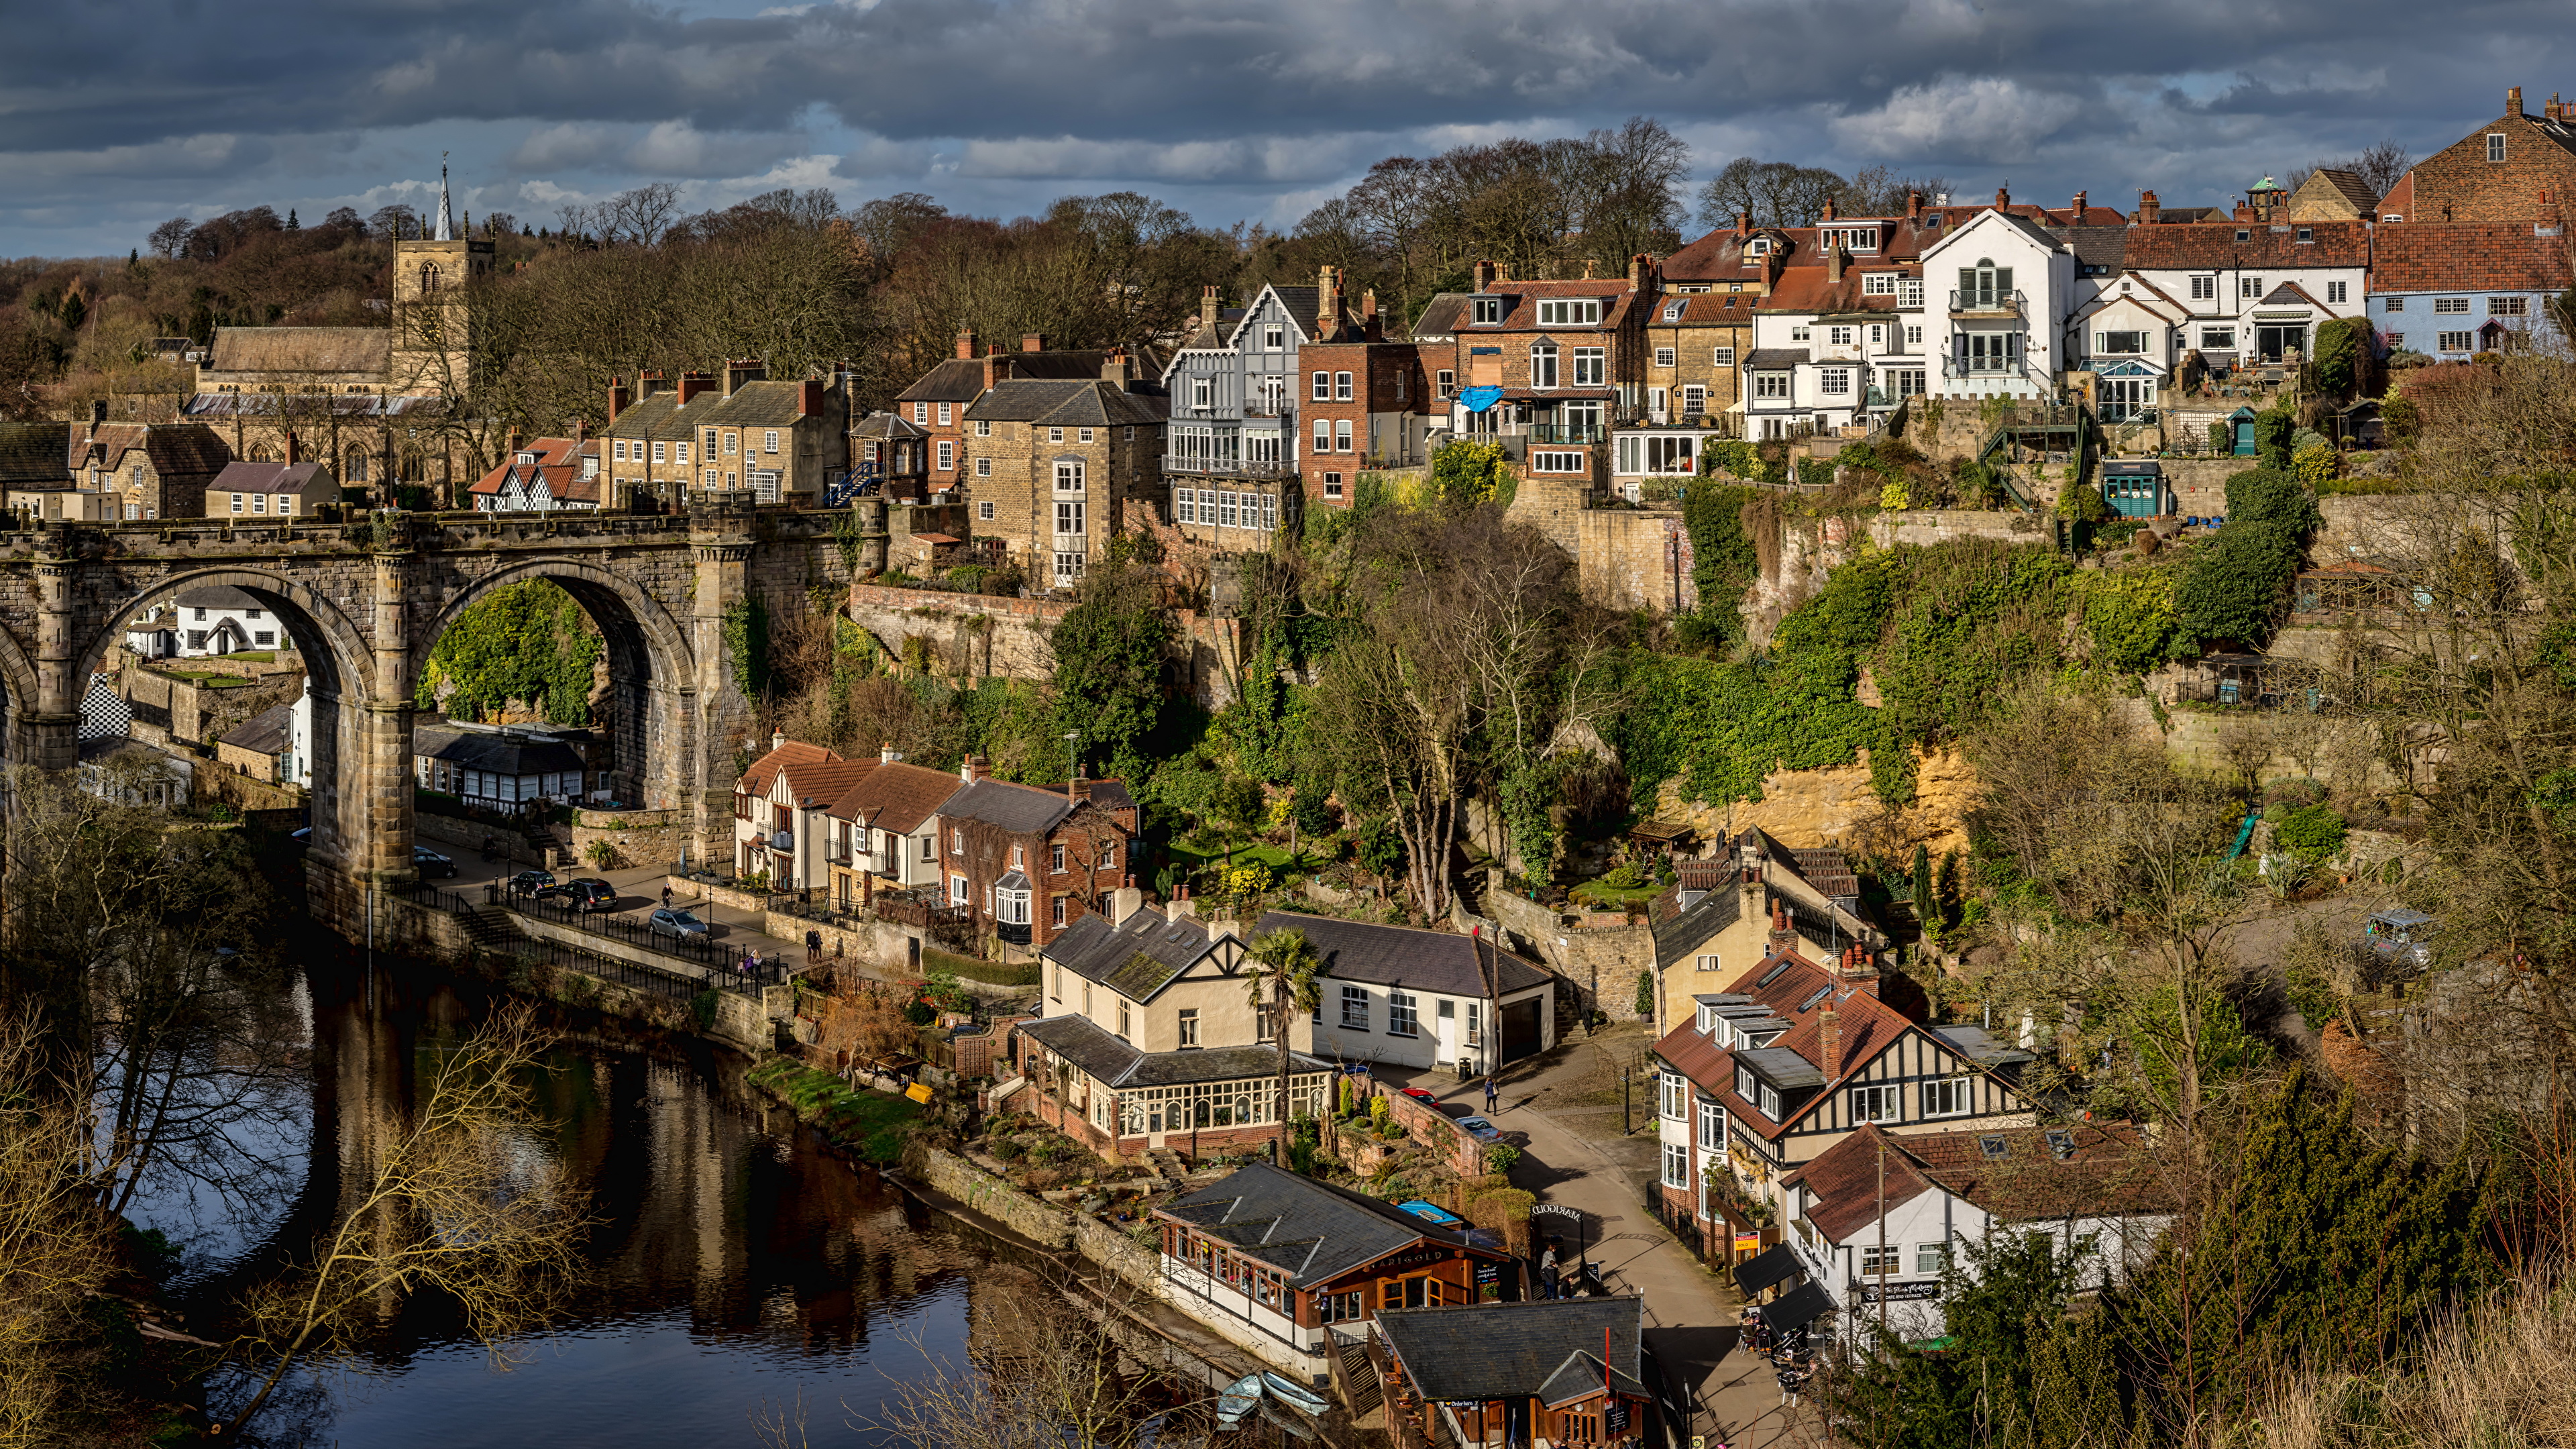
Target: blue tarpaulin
[(1478, 399)]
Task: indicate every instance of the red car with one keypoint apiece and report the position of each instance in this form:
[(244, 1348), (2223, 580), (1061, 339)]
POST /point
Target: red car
[(1422, 1095)]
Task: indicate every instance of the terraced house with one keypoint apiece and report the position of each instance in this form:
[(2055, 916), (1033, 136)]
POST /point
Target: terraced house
[(936, 402), (1057, 466), (1240, 402), (740, 432)]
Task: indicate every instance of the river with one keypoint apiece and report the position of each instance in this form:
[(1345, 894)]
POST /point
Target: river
[(736, 1263)]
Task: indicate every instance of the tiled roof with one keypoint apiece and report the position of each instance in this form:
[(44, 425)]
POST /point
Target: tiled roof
[(1703, 309), (1813, 289), (1019, 809), (2106, 247), (897, 797), (1439, 962), (1312, 1231), (34, 452), (2106, 1171), (302, 349), (1846, 1176), (177, 450), (558, 462), (1795, 990), (1089, 403), (757, 776), (817, 784), (1135, 958), (1549, 1349), (2214, 245), (2467, 256)]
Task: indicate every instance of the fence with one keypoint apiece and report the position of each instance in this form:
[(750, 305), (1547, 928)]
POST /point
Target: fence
[(724, 966)]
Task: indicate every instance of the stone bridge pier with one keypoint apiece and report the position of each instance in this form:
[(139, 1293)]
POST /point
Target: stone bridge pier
[(365, 603)]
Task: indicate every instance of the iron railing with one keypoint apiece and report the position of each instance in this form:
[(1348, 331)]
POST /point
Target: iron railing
[(1230, 467), (722, 962), (1982, 300)]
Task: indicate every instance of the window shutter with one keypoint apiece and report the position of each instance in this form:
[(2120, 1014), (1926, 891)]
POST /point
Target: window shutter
[(2101, 341)]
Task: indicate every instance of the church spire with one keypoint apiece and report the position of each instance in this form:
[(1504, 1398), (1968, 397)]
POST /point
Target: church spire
[(446, 220)]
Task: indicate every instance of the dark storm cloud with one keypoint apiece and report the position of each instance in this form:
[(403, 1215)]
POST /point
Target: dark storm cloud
[(1262, 95)]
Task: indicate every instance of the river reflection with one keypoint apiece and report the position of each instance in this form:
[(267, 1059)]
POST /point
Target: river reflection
[(734, 1261)]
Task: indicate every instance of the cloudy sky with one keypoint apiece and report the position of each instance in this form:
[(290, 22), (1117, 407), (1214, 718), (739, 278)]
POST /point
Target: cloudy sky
[(115, 114)]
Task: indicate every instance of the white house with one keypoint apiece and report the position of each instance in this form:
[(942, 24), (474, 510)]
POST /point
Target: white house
[(1417, 998), (2006, 288), (2131, 337), (2451, 290), (2255, 290), (546, 474), (886, 824), (780, 828), (215, 619), (1881, 1214), (1835, 341)]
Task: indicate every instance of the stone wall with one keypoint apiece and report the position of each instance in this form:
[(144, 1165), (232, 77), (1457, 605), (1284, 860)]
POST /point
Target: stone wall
[(1555, 503), (1636, 558), (639, 837), (1598, 952), (1837, 806), (969, 636)]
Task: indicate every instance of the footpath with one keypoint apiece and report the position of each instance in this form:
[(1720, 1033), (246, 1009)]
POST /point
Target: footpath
[(1573, 1153)]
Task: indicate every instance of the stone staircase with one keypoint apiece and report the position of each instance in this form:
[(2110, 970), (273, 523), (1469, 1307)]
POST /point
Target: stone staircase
[(491, 927), (1168, 1166)]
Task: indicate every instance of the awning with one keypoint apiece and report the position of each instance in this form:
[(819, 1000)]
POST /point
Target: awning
[(1478, 399), (1766, 1268), (1798, 1309)]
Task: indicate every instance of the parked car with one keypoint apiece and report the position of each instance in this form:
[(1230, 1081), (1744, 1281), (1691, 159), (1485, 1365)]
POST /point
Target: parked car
[(680, 925), (583, 893), (1424, 1095), (1480, 1129), (529, 882), (430, 863)]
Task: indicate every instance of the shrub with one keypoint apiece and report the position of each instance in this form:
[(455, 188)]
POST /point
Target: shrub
[(2272, 437), (1624, 878), (1645, 1003), (702, 1009), (2315, 463), (1378, 1112), (2222, 438), (2315, 832), (1501, 1157)]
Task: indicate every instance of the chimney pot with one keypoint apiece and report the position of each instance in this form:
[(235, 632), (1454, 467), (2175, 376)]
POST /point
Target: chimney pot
[(885, 752), (966, 343), (692, 384), (1829, 208), (2513, 100), (2003, 198), (778, 739)]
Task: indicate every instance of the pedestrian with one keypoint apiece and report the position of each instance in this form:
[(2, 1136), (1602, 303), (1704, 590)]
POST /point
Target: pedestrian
[(1547, 1271), (813, 946), (1791, 1381), (1492, 1095), (666, 897)]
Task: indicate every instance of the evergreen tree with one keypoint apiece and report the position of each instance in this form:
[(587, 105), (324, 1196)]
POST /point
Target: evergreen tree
[(1927, 910), (1109, 667), (291, 223)]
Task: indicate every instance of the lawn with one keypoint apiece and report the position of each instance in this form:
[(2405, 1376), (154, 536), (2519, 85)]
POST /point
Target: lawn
[(975, 968), (870, 1124), (1616, 896), (205, 677), (1273, 858)]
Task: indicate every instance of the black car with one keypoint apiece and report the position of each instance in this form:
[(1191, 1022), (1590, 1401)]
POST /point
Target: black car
[(430, 863), (529, 882), (585, 893)]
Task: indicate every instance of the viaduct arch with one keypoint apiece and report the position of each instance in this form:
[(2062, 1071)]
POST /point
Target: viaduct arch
[(365, 602)]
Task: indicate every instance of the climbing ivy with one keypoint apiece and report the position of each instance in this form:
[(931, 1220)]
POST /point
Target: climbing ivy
[(746, 641), (524, 643), (1723, 560)]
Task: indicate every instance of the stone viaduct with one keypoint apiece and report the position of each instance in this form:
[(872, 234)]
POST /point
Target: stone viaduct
[(365, 601)]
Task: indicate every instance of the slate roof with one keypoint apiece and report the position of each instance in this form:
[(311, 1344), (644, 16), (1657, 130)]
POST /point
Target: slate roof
[(1774, 357), (1441, 316), (1113, 1063), (1090, 404), (2213, 245), (296, 478), (219, 596), (302, 349), (961, 379), (1549, 1350), (1019, 809), (2105, 247), (1439, 962), (757, 776), (264, 733), (1135, 958), (503, 754), (1312, 1231), (887, 425), (1703, 918), (34, 453), (1520, 314), (767, 403), (897, 797), (2467, 256)]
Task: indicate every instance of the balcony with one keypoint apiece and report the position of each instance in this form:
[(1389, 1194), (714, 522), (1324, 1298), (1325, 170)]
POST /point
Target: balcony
[(1568, 433), (1269, 407), (1984, 367), (784, 842), (1983, 303), (1230, 467)]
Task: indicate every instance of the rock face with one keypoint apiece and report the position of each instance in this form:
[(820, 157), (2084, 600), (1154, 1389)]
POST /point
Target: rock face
[(1803, 808)]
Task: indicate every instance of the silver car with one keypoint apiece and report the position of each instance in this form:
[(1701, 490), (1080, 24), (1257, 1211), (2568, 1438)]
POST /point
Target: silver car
[(680, 925)]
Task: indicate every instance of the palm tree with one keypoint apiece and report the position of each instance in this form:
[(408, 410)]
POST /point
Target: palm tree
[(1288, 968)]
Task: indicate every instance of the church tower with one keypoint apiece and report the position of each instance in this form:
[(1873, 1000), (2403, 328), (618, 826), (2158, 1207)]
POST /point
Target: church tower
[(433, 312)]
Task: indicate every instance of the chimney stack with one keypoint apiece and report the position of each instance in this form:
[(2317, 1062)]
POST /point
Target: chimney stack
[(1914, 206), (2513, 100), (966, 344), (1829, 208), (809, 397), (649, 383), (975, 768), (1744, 223), (1834, 263), (1328, 304), (694, 383), (1487, 274), (1117, 369), (2003, 198), (1207, 306), (778, 739), (1033, 342), (1077, 789), (1641, 273), (295, 448), (97, 415), (1372, 326), (886, 753), (2079, 209), (740, 371), (1829, 1042), (618, 398), (2149, 213), (2245, 211)]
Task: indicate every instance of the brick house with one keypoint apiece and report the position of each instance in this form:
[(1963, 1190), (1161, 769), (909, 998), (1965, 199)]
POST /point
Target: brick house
[(143, 470), (2517, 167), (937, 400), (1548, 367), (1057, 465), (2452, 290), (1030, 861), (1368, 405)]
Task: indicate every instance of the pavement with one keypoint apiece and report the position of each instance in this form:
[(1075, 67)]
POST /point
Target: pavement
[(639, 894), (1574, 1153)]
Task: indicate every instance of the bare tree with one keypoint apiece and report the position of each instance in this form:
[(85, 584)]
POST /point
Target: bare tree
[(639, 216), (171, 237), (459, 1205), (57, 1248)]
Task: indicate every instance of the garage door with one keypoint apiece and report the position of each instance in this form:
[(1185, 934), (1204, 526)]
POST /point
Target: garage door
[(1520, 1029)]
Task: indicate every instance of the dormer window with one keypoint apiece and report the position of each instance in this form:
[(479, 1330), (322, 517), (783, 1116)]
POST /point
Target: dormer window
[(2243, 234), (1489, 311), (2307, 233), (1673, 310), (1570, 312), (2061, 1145), (1759, 246)]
